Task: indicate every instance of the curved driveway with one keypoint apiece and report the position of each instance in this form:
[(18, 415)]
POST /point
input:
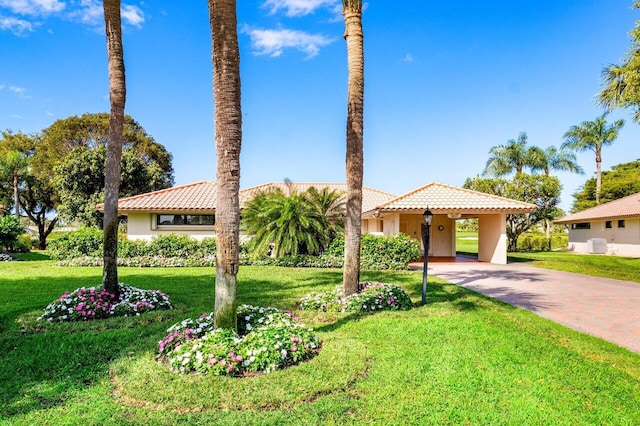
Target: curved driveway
[(602, 307)]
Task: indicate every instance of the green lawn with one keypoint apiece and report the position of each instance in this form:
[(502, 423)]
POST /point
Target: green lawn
[(462, 359)]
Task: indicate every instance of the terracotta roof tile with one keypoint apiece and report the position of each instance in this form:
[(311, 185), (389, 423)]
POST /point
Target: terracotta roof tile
[(201, 197), (442, 198), (370, 197), (628, 206), (196, 197)]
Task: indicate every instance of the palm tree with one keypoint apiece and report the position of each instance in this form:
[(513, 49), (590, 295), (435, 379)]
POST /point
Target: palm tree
[(294, 223), (514, 156), (593, 135), (328, 208), (561, 159), (228, 137), (352, 12), (14, 165), (117, 96)]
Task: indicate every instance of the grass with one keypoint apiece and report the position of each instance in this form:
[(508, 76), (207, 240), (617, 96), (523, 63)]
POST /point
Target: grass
[(462, 359)]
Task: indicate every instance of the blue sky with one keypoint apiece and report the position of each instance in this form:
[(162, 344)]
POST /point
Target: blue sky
[(444, 81)]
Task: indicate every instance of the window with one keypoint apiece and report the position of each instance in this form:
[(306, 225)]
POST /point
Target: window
[(621, 223), (608, 224), (185, 219), (581, 225)]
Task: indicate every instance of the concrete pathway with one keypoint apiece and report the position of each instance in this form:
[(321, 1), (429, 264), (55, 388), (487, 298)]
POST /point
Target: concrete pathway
[(602, 307)]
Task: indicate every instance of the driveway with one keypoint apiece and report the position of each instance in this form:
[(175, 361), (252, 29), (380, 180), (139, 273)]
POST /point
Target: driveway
[(602, 307)]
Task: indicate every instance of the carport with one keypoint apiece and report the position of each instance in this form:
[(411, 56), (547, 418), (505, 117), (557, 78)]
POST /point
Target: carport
[(448, 204)]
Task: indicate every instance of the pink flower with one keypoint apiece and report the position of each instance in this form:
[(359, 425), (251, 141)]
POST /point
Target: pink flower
[(79, 307), (294, 348)]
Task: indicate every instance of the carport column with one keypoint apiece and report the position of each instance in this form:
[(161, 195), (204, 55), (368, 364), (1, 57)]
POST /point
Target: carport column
[(391, 224), (492, 238)]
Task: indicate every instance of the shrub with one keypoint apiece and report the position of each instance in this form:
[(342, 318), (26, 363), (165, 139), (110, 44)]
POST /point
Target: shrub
[(96, 303), (388, 252), (370, 297), (10, 228), (83, 242), (22, 244), (535, 242), (269, 340)]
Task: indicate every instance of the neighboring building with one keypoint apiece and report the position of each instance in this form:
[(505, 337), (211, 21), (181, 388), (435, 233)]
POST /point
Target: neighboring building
[(612, 228), (448, 203), (190, 209)]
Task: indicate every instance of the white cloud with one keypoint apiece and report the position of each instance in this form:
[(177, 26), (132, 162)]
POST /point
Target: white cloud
[(408, 58), (49, 113), (33, 7), (16, 26), (132, 15), (273, 42), (91, 12), (18, 90), (16, 116), (297, 7)]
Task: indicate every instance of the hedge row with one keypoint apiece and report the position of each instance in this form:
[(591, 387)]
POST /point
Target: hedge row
[(84, 248), (533, 242)]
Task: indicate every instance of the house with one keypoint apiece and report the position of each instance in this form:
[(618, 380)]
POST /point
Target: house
[(448, 204), (190, 209), (612, 227)]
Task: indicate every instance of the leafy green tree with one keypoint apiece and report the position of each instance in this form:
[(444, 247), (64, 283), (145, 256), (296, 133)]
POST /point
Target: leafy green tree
[(91, 131), (541, 190), (14, 165), (79, 181), (512, 157), (298, 223), (592, 136), (228, 138), (10, 228), (354, 36), (622, 180), (621, 87)]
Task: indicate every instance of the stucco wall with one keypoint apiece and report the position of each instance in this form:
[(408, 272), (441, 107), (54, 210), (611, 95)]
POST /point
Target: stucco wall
[(492, 238), (139, 228), (620, 241)]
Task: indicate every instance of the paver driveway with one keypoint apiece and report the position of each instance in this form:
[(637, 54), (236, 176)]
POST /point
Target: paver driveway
[(602, 307)]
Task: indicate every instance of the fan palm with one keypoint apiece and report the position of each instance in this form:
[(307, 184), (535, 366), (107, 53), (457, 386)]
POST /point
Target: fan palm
[(592, 136)]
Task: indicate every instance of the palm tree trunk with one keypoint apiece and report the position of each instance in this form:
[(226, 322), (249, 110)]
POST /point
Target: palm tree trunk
[(228, 136), (117, 96), (598, 176), (355, 112)]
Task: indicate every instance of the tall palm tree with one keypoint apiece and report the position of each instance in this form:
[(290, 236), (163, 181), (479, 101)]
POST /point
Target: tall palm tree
[(553, 158), (593, 135), (514, 156), (228, 137), (117, 96), (354, 35), (14, 165)]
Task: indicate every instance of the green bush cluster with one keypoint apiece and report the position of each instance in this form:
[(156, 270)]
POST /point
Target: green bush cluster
[(87, 243), (534, 242), (10, 231), (84, 248), (388, 252)]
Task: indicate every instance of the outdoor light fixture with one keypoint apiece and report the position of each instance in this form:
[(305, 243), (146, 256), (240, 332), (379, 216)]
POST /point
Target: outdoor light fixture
[(428, 217)]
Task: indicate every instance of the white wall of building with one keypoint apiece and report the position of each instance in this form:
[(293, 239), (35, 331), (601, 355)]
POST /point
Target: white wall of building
[(620, 241), (492, 238), (139, 227)]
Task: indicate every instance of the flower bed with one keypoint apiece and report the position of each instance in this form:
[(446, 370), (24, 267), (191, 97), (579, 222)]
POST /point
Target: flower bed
[(372, 296), (5, 257), (95, 303), (268, 340)]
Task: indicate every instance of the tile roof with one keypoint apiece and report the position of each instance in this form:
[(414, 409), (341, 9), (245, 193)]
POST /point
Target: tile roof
[(200, 197), (623, 207), (197, 197), (442, 198), (370, 197)]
